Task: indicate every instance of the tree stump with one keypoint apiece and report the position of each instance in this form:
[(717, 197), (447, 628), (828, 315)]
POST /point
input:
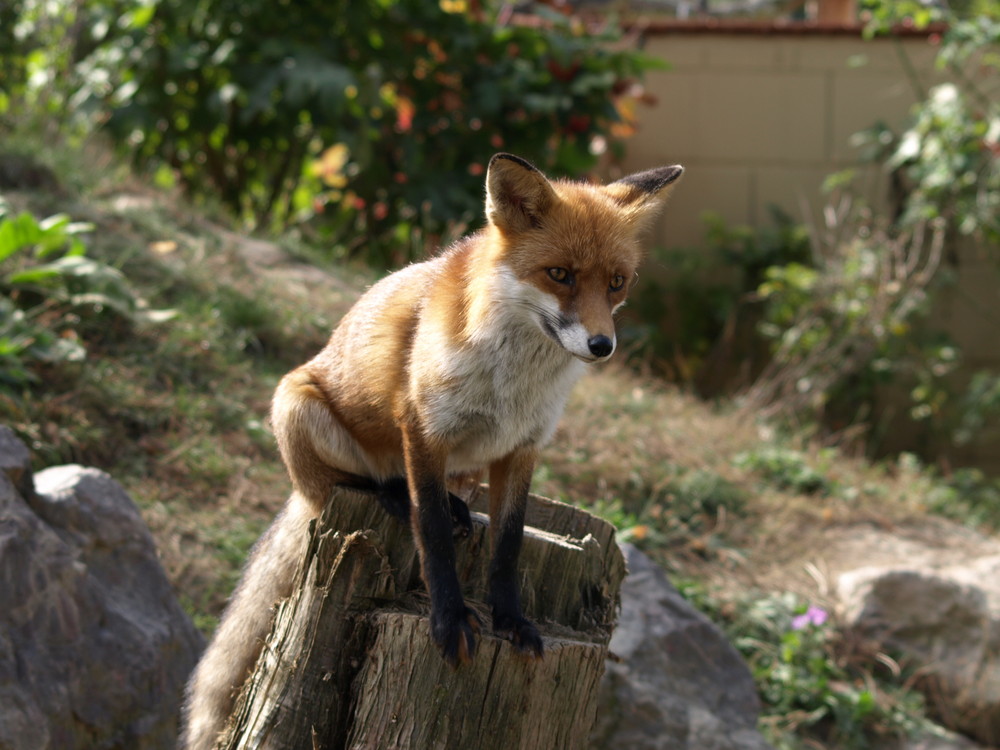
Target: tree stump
[(349, 662)]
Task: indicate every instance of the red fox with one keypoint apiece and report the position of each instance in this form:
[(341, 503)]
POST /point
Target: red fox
[(456, 365)]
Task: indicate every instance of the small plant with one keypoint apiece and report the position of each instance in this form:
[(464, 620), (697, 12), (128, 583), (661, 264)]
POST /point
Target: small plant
[(52, 293), (786, 469), (685, 510), (947, 159), (695, 501), (853, 319), (754, 250), (811, 684), (968, 496), (978, 407)]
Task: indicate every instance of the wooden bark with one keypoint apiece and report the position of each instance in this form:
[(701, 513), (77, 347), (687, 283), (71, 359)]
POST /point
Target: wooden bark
[(350, 664)]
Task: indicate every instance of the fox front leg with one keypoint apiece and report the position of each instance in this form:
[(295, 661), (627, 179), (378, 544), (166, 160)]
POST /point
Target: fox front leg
[(510, 479), (453, 625)]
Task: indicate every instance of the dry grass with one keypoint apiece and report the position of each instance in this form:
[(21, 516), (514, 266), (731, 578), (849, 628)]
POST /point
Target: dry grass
[(631, 440)]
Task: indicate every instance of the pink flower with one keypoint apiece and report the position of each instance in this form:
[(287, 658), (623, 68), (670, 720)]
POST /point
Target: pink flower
[(812, 616)]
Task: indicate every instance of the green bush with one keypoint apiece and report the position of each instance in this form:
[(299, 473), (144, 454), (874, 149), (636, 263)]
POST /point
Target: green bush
[(696, 322), (855, 320), (697, 498), (372, 119), (946, 159), (11, 67), (41, 42)]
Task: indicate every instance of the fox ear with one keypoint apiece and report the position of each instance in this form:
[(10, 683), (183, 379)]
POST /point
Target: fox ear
[(645, 192), (517, 194)]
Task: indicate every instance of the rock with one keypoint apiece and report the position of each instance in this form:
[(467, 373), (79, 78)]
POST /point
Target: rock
[(944, 622), (678, 684), (939, 740), (94, 648)]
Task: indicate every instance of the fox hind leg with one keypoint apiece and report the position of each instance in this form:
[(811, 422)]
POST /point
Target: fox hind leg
[(317, 449)]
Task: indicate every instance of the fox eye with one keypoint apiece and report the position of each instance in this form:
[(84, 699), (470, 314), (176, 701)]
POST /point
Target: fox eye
[(558, 274), (617, 282)]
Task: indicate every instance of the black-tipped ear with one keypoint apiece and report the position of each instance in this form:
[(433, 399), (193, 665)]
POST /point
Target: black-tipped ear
[(642, 195), (653, 180), (517, 194), (643, 186)]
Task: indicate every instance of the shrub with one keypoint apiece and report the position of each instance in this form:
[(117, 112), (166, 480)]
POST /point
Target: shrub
[(969, 496), (696, 322), (374, 119), (854, 320), (946, 159)]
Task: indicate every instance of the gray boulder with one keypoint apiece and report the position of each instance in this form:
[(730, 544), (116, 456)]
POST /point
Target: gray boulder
[(944, 622), (94, 648), (941, 739), (677, 683)]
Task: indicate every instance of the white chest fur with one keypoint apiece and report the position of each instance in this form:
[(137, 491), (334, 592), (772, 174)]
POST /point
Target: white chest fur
[(504, 388)]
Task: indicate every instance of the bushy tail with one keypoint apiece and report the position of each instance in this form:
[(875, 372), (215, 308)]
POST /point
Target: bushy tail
[(240, 636)]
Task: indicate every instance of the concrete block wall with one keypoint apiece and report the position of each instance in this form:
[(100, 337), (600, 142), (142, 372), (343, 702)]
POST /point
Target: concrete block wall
[(763, 118)]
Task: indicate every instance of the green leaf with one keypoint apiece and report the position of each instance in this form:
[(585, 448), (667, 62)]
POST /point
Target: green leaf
[(54, 222), (17, 234), (33, 275)]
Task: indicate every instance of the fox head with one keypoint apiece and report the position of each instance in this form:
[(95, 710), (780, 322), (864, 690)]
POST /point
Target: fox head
[(569, 250)]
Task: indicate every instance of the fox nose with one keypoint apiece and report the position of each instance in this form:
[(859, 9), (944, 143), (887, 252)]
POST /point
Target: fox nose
[(600, 345)]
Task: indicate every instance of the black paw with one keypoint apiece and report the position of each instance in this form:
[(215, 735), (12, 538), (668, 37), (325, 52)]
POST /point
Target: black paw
[(521, 632), (461, 520), (455, 634)]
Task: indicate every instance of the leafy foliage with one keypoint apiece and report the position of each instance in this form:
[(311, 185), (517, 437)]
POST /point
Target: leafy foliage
[(883, 15), (372, 118), (11, 68), (947, 158), (690, 315), (40, 43), (856, 318), (813, 683), (852, 312), (52, 293), (969, 496), (684, 511), (785, 469)]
